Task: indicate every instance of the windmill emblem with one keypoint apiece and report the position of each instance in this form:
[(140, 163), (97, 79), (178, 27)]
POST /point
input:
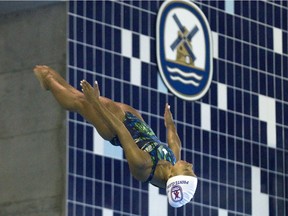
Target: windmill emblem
[(184, 49), (183, 44)]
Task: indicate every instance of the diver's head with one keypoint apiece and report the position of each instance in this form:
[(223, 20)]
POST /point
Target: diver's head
[(182, 168), (182, 184)]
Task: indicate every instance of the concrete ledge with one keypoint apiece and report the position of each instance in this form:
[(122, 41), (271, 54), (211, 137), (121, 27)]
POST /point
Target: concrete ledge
[(47, 206), (33, 128), (25, 107), (32, 166), (33, 37)]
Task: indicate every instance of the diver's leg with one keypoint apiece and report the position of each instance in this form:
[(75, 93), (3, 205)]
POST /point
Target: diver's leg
[(73, 100), (47, 72)]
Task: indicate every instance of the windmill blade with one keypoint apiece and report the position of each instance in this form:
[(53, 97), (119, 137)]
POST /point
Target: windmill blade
[(176, 42), (192, 33), (188, 48), (180, 26)]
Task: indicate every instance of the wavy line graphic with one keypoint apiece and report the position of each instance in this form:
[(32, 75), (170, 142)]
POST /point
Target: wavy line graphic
[(185, 74), (190, 82)]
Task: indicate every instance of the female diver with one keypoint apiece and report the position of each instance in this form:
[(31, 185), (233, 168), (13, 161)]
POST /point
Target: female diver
[(148, 158)]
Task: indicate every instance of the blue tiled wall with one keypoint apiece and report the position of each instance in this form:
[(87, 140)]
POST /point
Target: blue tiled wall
[(249, 64)]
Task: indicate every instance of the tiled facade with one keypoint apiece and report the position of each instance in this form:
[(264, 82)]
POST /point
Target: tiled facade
[(236, 135)]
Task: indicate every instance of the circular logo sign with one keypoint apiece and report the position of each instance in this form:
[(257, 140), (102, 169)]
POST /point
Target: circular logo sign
[(184, 49)]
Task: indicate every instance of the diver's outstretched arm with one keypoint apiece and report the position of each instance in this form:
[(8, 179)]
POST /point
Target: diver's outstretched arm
[(138, 160), (173, 140)]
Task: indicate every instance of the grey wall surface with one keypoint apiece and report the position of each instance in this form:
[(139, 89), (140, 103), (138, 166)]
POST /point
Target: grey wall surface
[(32, 124)]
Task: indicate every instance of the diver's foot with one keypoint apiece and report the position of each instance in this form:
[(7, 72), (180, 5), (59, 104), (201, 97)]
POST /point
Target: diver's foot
[(42, 73)]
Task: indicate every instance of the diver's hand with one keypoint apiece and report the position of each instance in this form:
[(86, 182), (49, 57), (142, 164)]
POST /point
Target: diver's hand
[(168, 119)]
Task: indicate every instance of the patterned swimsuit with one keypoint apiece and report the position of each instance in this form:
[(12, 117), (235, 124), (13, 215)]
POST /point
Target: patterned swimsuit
[(146, 140)]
